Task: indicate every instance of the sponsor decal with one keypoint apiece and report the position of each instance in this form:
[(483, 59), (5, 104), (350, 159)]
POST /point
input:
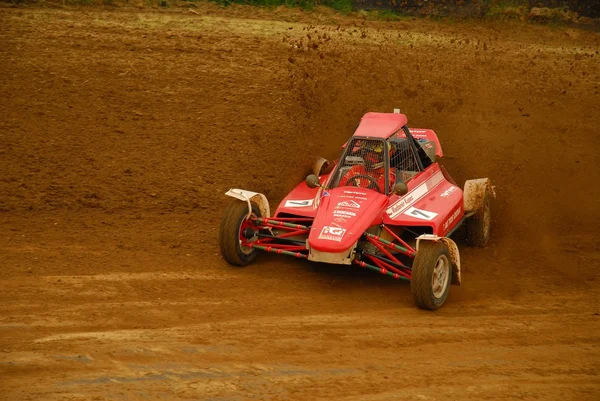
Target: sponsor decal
[(325, 193), (420, 214), (419, 134), (343, 213), (340, 220), (351, 204), (410, 198), (402, 204), (448, 191), (355, 192), (333, 223), (332, 233), (298, 203), (451, 219), (353, 197)]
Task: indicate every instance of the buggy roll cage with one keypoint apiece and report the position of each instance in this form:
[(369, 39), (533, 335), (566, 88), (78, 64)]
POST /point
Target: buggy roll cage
[(421, 157)]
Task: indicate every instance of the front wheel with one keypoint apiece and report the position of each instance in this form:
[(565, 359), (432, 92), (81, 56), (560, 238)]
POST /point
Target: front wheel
[(431, 275), (235, 226)]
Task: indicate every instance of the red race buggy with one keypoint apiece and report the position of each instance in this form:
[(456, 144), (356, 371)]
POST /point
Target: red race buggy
[(385, 204)]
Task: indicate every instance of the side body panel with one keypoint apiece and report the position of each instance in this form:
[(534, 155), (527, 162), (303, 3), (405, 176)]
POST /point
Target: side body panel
[(431, 201), (302, 200)]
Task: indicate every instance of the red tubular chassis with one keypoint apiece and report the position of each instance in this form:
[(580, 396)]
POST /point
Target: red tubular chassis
[(281, 244)]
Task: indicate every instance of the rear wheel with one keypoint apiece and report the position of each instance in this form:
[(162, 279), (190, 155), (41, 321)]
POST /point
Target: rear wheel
[(431, 275), (234, 230), (479, 225)]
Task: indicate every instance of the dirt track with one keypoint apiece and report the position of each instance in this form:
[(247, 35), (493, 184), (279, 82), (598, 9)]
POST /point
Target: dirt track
[(121, 130)]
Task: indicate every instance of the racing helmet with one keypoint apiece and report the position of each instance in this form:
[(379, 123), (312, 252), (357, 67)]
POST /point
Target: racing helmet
[(373, 151)]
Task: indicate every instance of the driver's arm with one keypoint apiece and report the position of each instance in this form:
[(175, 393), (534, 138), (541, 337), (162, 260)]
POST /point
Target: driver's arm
[(392, 180)]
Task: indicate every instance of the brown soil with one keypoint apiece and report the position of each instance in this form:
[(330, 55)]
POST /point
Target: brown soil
[(121, 130)]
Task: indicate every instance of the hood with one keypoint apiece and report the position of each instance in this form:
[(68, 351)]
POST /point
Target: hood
[(343, 216)]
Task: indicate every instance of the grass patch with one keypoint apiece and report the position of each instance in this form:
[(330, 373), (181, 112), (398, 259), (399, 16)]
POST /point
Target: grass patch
[(438, 10), (386, 15), (526, 11), (344, 6)]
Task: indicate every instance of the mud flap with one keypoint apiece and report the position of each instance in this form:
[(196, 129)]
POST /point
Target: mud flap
[(249, 196), (474, 194), (454, 254)]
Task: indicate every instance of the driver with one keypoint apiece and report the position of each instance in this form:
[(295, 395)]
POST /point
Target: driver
[(372, 173)]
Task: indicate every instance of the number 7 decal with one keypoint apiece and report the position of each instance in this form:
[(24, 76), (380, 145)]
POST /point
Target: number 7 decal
[(420, 214)]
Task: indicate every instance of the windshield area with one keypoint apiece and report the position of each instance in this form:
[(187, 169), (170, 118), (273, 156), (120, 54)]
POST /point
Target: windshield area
[(363, 165)]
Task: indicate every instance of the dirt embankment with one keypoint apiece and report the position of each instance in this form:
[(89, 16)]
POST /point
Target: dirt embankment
[(166, 129), (195, 109), (122, 130)]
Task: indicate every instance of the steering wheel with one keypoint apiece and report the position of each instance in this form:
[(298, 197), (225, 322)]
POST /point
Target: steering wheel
[(372, 183)]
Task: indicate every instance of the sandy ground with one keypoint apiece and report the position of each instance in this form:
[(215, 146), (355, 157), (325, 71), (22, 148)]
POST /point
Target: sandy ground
[(122, 128)]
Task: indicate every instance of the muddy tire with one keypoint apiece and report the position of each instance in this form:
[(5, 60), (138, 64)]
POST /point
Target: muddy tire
[(479, 225), (232, 222), (431, 275)]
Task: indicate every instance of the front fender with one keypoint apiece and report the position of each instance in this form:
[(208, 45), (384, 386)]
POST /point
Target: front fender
[(474, 194), (454, 254), (249, 197)]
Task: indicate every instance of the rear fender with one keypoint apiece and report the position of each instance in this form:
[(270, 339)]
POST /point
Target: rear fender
[(454, 254), (249, 197), (474, 194), (320, 165)]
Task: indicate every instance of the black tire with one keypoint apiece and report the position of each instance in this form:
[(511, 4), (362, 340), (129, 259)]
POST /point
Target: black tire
[(421, 286), (479, 225), (229, 233)]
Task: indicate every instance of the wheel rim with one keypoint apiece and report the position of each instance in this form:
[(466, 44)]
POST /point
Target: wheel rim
[(441, 272), (246, 223)]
